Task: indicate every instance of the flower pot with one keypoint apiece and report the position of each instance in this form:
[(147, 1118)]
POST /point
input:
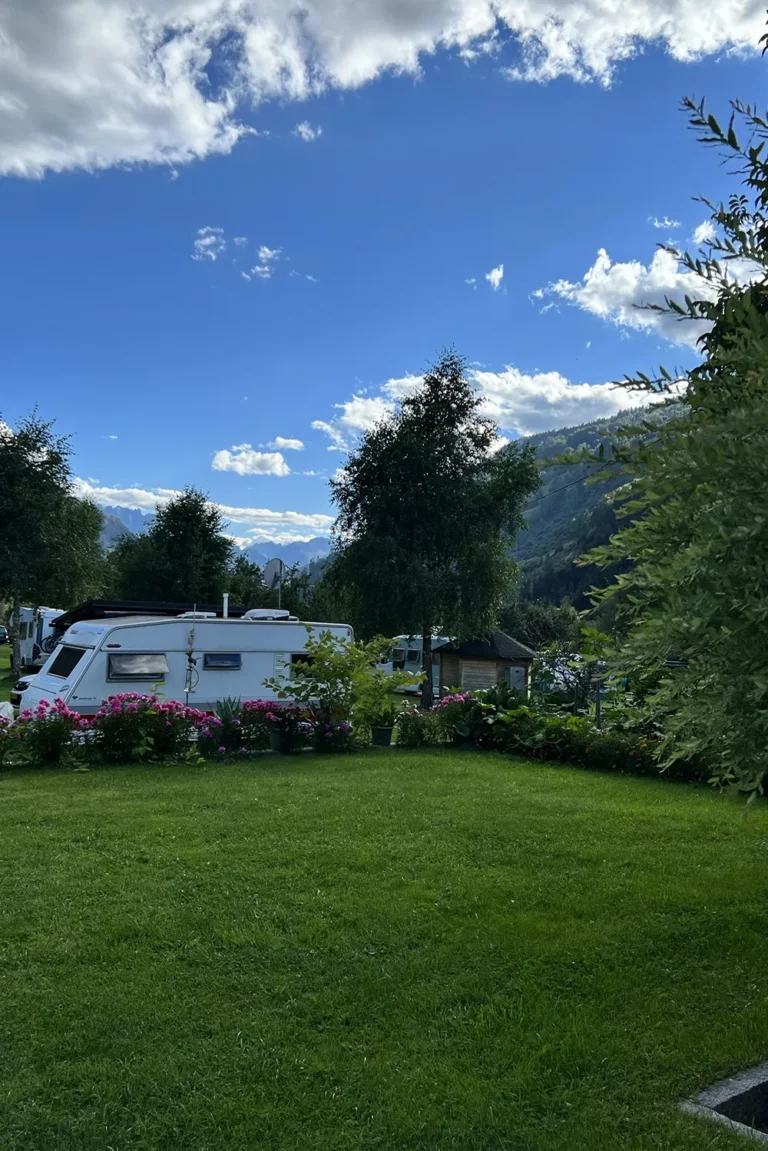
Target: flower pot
[(381, 736), (277, 741)]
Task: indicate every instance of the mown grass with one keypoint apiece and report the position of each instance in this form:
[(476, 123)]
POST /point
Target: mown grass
[(7, 679), (399, 950)]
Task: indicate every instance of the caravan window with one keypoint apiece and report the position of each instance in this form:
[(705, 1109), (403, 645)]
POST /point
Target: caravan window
[(414, 655), (398, 657), (150, 665), (22, 631), (222, 661), (66, 661)]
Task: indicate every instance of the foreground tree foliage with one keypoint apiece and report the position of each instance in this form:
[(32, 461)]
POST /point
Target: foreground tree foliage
[(49, 539), (695, 598), (427, 515)]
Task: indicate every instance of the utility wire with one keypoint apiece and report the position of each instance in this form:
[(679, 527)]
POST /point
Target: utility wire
[(580, 480)]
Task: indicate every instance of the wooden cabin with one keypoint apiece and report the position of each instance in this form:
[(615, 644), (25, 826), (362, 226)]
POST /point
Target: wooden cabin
[(483, 663)]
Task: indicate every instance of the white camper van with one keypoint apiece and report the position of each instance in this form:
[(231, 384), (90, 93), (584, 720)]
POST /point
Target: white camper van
[(196, 657), (36, 636), (406, 655)]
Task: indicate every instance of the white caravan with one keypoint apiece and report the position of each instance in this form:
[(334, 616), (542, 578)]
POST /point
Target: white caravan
[(195, 657), (36, 636), (406, 655)]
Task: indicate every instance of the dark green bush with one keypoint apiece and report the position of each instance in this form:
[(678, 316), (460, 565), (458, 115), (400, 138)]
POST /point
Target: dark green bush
[(415, 728)]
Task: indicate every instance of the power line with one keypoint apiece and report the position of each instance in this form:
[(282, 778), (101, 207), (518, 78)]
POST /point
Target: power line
[(580, 480)]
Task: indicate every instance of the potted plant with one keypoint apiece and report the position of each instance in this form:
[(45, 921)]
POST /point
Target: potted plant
[(382, 727), (339, 680), (287, 728), (374, 708)]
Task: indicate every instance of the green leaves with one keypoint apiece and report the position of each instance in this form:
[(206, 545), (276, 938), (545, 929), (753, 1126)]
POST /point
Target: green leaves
[(427, 513), (694, 593)]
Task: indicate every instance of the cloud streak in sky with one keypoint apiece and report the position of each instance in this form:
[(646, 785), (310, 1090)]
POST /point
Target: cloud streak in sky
[(91, 84)]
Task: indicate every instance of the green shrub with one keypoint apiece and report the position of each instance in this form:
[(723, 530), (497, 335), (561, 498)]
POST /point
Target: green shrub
[(44, 736), (290, 728), (454, 718), (415, 728), (330, 737), (243, 728)]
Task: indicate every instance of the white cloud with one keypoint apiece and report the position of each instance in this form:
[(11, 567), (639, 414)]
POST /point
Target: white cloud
[(244, 460), (268, 255), (472, 281), (209, 244), (517, 401), (286, 445), (262, 522), (401, 386), (111, 437), (240, 241), (495, 276), (264, 269), (334, 434), (306, 132), (268, 536), (705, 233), (93, 84), (240, 542), (665, 222), (616, 292), (539, 402)]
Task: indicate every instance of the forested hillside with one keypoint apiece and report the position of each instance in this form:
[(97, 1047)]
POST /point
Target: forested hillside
[(569, 515)]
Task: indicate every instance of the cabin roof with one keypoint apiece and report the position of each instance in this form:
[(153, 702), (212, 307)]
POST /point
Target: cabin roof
[(497, 646)]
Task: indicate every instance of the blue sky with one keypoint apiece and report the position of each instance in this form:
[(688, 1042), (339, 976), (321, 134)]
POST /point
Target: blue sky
[(343, 250)]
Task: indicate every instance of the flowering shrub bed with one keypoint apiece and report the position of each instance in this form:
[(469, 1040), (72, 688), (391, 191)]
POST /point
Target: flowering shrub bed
[(290, 728), (414, 727), (481, 719), (332, 737), (131, 727), (135, 727), (5, 737), (45, 734)]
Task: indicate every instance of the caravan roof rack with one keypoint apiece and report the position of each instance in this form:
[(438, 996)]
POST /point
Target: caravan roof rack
[(109, 608)]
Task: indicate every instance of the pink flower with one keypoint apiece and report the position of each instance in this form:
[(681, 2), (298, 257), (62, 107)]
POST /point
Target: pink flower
[(221, 750), (83, 723)]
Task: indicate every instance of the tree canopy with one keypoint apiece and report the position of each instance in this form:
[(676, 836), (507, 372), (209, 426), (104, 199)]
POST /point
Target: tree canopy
[(184, 556), (694, 595), (49, 539), (428, 510)]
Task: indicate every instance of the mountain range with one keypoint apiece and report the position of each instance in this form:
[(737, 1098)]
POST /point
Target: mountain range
[(130, 521)]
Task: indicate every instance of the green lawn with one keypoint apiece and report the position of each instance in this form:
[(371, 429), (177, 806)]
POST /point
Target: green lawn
[(7, 679), (398, 951)]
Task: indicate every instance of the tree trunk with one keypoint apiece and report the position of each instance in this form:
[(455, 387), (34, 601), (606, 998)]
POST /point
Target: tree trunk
[(427, 691), (14, 635)]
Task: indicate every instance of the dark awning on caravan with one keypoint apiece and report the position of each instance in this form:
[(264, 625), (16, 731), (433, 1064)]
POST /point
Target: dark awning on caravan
[(107, 608)]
